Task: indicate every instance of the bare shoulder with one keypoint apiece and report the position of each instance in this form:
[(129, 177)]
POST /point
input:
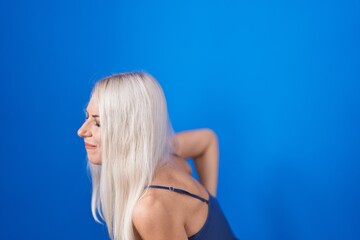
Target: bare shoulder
[(153, 218)]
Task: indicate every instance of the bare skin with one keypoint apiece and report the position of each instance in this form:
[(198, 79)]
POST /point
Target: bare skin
[(162, 214), (202, 146)]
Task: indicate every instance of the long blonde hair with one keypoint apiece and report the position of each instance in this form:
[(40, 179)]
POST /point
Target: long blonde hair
[(136, 139)]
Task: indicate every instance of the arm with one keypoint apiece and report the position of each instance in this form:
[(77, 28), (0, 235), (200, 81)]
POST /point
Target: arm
[(202, 146)]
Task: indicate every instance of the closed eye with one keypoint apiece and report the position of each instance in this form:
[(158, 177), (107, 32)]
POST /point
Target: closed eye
[(94, 116)]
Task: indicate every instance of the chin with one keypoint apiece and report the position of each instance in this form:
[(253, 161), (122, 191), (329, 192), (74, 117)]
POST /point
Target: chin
[(95, 161)]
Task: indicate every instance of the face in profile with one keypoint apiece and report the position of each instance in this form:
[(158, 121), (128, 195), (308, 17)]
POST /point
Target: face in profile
[(90, 132)]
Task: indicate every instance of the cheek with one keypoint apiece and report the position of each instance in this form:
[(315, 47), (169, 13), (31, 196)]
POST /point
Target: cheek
[(97, 137), (95, 156)]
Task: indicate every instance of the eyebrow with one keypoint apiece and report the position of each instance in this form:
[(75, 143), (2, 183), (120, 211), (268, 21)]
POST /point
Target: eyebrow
[(94, 116)]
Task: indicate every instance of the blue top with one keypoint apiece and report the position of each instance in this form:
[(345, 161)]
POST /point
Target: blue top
[(216, 226)]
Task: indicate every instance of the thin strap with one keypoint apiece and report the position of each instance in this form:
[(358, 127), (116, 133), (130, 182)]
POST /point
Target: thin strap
[(175, 155), (180, 191)]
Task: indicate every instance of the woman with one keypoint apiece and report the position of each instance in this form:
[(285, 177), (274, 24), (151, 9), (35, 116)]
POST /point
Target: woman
[(142, 186)]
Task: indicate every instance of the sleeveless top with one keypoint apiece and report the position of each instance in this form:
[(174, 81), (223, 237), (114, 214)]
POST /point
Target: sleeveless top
[(216, 226)]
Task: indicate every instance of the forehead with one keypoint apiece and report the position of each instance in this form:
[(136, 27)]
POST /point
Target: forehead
[(92, 106)]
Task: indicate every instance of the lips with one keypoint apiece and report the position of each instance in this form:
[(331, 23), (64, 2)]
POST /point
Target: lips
[(89, 146)]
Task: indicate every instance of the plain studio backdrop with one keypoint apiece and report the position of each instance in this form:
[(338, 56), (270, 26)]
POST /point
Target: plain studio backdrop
[(278, 81)]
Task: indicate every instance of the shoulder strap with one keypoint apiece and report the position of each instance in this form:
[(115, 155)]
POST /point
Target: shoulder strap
[(176, 155), (178, 190)]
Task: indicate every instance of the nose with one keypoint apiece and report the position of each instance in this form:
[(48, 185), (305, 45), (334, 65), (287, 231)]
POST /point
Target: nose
[(84, 130)]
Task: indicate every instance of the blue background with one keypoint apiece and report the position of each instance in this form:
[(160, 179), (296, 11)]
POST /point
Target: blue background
[(277, 80)]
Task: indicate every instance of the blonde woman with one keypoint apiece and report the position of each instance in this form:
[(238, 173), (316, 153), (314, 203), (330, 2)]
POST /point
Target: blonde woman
[(142, 185)]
